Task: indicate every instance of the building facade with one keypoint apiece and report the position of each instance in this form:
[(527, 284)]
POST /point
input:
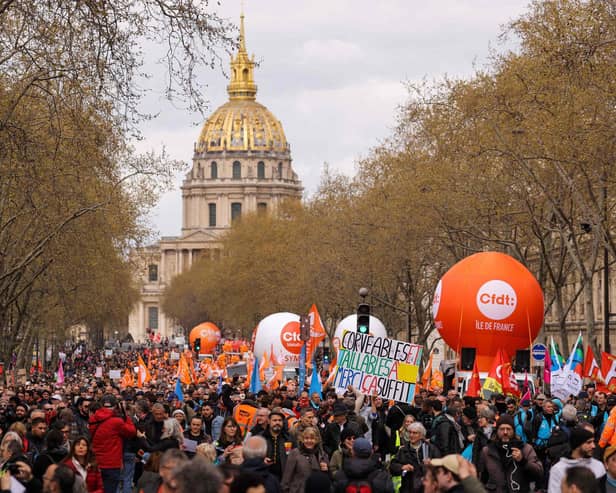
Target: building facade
[(241, 164)]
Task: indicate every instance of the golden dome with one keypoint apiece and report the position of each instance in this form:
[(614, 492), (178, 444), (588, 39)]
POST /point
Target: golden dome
[(242, 124)]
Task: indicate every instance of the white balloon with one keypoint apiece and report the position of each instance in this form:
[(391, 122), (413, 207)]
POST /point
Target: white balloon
[(377, 329), (279, 332)]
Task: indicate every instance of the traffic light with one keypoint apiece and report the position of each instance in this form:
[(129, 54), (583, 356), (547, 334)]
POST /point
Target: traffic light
[(197, 345), (304, 328), (363, 318)]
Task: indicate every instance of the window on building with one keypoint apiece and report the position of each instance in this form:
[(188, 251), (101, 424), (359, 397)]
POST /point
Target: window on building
[(152, 272), (261, 208), (212, 214), (261, 170), (280, 171), (237, 170), (213, 170), (236, 210), (153, 317)]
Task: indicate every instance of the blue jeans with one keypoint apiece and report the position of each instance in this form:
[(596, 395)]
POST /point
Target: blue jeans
[(128, 472), (111, 479)]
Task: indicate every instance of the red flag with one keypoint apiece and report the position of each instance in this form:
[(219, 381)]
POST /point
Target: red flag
[(510, 385), (591, 368), (608, 369), (474, 385)]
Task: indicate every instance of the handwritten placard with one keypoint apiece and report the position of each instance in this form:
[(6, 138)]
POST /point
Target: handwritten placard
[(378, 365)]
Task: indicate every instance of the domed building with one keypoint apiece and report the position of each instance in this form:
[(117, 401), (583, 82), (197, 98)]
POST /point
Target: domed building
[(241, 164)]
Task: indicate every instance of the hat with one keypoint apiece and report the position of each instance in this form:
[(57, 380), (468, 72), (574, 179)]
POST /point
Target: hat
[(578, 436), (109, 400), (362, 448), (178, 411), (470, 412), (540, 396), (449, 462), (348, 432), (525, 403), (339, 409), (57, 397), (611, 450), (505, 419)]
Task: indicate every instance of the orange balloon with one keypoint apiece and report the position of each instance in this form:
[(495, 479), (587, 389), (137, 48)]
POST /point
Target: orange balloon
[(209, 334), (488, 301)]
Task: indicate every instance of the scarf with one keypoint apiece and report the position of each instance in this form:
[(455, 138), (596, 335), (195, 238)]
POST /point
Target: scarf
[(458, 429)]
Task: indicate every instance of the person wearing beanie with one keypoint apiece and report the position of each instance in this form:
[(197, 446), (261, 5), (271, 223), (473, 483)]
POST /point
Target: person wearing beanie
[(506, 463), (607, 484), (363, 467), (582, 442)]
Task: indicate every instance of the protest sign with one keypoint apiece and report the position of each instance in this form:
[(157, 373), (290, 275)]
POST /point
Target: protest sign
[(115, 374), (378, 365)]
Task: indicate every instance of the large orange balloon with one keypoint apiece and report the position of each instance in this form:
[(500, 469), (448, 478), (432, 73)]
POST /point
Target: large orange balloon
[(488, 301), (209, 334)]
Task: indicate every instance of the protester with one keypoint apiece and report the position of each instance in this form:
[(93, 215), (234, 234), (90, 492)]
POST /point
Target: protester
[(82, 461), (582, 444), (506, 463), (579, 479), (410, 459), (303, 460), (363, 468)]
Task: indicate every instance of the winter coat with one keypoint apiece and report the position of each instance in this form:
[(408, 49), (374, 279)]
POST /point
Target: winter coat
[(407, 454), (445, 436), (498, 471), (45, 459), (363, 469), (108, 431), (301, 463), (608, 435), (276, 451), (558, 470), (93, 479), (338, 459), (260, 468)]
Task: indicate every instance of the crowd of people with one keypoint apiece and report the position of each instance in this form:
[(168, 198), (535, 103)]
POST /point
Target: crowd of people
[(93, 435)]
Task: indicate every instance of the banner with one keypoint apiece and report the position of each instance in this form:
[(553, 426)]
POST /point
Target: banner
[(378, 366), (568, 380), (608, 368)]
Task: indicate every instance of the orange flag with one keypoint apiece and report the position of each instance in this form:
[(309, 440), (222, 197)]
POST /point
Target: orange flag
[(317, 333), (265, 363), (474, 386), (274, 382), (184, 371), (427, 374), (273, 359), (128, 380), (143, 374)]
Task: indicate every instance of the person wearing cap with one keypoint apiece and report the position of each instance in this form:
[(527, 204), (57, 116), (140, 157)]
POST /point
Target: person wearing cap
[(453, 474), (607, 483), (582, 442), (109, 426), (506, 463), (363, 467), (331, 435)]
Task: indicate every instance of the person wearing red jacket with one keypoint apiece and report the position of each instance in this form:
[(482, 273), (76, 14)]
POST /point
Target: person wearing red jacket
[(109, 426), (81, 460)]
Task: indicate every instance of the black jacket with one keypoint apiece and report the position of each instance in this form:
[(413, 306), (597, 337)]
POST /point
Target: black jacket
[(258, 467), (415, 457), (363, 469), (445, 436)]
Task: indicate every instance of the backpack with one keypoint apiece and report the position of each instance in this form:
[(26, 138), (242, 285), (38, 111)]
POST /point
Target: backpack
[(361, 485)]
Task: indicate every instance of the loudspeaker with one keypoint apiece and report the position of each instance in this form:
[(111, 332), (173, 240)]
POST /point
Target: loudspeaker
[(522, 360), (467, 358)]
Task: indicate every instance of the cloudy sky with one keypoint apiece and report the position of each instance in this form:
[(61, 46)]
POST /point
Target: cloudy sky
[(333, 72)]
